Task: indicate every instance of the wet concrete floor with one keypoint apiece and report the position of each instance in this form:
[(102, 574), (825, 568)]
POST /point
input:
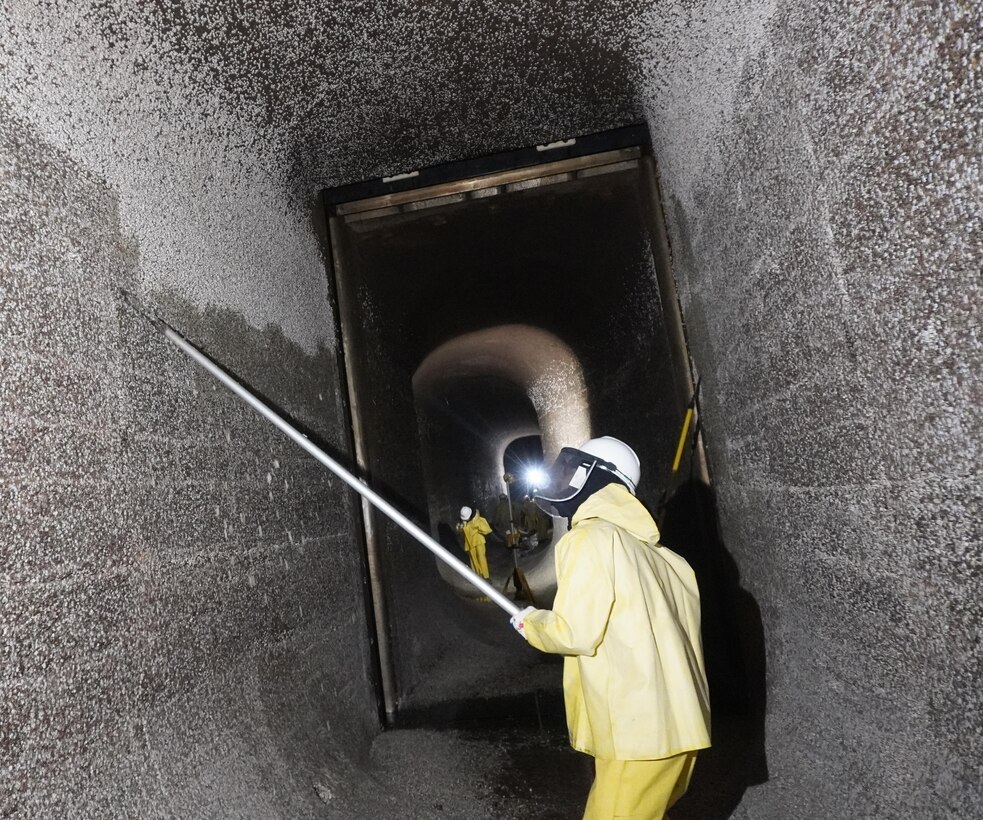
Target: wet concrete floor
[(532, 773)]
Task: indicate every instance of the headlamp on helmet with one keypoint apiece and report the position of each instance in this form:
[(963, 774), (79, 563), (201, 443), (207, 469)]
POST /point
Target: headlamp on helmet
[(575, 465)]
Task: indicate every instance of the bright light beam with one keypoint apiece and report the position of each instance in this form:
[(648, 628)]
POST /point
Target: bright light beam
[(536, 477)]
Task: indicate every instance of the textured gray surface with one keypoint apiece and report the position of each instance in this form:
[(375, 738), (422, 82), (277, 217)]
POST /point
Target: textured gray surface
[(178, 586), (217, 123), (821, 167), (828, 239)]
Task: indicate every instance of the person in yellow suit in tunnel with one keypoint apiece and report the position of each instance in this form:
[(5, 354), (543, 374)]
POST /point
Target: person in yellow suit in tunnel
[(627, 619), (475, 528)]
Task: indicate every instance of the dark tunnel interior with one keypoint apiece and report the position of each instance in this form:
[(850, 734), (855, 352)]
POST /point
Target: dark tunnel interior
[(566, 265), (488, 331)]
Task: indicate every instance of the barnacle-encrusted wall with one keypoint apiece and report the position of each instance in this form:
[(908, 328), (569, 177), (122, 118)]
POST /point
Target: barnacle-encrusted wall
[(825, 197), (178, 643), (178, 582)]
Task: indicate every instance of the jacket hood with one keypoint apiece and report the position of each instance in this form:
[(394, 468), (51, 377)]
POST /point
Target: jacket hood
[(615, 504)]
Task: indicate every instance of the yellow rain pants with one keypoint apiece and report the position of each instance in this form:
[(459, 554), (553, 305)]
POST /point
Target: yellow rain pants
[(479, 560), (638, 789)]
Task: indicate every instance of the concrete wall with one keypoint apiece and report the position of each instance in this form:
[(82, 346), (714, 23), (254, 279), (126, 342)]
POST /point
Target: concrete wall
[(182, 620), (822, 177)]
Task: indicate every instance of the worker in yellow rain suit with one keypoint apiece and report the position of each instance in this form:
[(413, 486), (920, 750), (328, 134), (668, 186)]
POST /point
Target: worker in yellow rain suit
[(475, 528), (627, 618)]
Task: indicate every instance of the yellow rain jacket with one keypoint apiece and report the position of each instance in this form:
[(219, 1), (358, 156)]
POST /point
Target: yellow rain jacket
[(627, 617), (475, 531)]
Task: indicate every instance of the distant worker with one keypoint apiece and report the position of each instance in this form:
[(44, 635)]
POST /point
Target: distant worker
[(627, 618), (527, 511), (527, 514), (475, 528)]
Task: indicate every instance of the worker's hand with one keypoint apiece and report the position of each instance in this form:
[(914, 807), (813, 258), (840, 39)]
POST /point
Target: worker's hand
[(517, 621)]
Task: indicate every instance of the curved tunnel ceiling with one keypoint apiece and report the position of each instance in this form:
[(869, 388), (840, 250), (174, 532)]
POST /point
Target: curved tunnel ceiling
[(489, 408), (494, 385), (537, 361)]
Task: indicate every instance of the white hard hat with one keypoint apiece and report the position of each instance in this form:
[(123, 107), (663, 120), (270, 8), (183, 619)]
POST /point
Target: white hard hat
[(574, 465), (466, 513), (616, 457)]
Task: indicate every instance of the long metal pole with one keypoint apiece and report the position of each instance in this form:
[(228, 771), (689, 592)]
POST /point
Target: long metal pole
[(352, 481)]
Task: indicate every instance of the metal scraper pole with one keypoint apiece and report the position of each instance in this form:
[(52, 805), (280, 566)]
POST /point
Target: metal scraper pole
[(352, 481)]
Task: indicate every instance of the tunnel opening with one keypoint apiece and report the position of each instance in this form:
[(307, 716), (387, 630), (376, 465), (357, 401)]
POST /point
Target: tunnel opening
[(486, 322), (474, 396)]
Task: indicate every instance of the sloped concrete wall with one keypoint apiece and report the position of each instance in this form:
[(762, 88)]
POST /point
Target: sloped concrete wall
[(181, 592), (821, 169)]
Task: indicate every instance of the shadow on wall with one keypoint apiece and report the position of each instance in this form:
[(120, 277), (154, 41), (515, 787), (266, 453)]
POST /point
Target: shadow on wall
[(733, 644)]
